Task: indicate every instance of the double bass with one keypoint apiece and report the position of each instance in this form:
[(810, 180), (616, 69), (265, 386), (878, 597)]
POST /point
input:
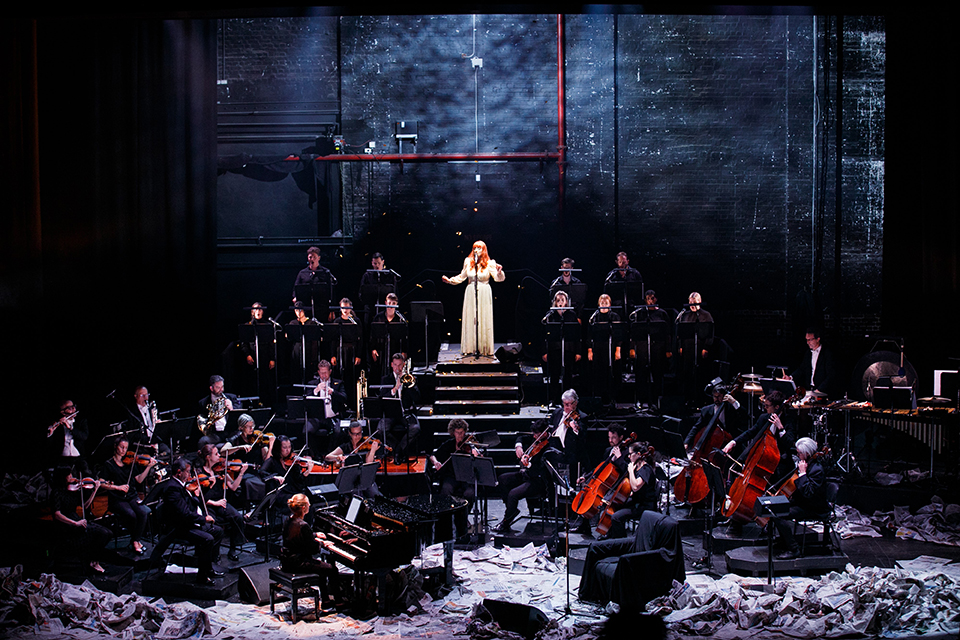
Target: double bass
[(691, 485)]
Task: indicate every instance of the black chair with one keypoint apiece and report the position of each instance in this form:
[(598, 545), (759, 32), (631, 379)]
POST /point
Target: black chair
[(632, 571), (826, 520), (298, 585)]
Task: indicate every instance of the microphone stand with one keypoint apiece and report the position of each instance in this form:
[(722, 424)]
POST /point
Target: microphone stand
[(476, 309)]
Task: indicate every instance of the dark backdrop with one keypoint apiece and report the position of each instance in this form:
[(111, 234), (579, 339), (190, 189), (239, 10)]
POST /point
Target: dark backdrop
[(109, 254)]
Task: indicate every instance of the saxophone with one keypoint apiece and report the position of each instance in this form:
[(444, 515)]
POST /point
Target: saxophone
[(215, 411)]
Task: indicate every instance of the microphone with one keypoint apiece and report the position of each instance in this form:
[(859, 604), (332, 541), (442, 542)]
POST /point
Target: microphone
[(110, 395), (275, 323)]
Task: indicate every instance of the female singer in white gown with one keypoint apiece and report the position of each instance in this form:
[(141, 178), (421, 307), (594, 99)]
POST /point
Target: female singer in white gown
[(488, 270)]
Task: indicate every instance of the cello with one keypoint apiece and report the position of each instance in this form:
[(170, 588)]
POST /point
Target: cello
[(620, 494), (691, 485), (601, 480)]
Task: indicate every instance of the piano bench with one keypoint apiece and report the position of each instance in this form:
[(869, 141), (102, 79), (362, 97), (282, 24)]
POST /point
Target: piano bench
[(298, 585)]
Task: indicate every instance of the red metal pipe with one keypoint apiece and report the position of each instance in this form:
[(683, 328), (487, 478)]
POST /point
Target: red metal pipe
[(439, 157)]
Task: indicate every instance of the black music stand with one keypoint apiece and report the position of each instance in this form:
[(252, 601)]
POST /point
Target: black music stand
[(338, 333), (576, 293), (389, 333), (479, 471), (356, 478), (607, 332), (317, 294), (256, 333), (561, 332), (303, 333), (422, 312), (787, 387), (175, 431), (699, 332), (624, 292), (377, 284), (647, 332)]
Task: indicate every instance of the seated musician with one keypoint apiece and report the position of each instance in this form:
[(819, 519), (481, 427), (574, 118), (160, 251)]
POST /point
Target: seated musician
[(561, 362), (530, 480), (644, 492), (725, 413), (282, 469), (780, 425), (84, 539), (301, 544), (215, 496), (216, 405), (402, 435), (352, 449), (182, 513), (808, 500), (319, 430), (121, 477), (443, 468), (378, 347), (246, 447)]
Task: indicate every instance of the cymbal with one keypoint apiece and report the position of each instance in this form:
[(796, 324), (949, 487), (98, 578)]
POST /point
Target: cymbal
[(750, 376), (881, 364)]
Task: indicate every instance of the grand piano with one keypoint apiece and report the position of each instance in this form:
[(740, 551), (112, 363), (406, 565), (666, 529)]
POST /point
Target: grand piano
[(377, 535)]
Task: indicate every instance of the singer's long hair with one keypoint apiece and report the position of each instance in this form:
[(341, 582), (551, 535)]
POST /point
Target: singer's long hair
[(484, 256)]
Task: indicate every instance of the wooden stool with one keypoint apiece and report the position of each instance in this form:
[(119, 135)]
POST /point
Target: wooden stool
[(298, 585)]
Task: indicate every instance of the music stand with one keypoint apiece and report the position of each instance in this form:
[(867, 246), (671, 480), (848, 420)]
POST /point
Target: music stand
[(178, 431), (356, 478), (377, 283), (576, 293), (255, 333), (303, 333), (561, 332), (624, 291), (479, 471), (319, 293), (338, 333), (787, 387), (698, 332), (607, 332), (420, 312), (388, 333), (648, 331)]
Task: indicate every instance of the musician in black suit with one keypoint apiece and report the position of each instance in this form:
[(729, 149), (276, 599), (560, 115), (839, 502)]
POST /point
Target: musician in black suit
[(67, 439), (725, 412), (568, 434), (402, 436), (443, 470), (320, 430), (818, 371), (145, 419), (530, 480), (315, 274), (694, 350), (231, 402), (181, 512), (780, 424), (808, 500)]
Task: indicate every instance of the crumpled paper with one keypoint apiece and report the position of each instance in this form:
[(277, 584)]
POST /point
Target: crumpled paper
[(866, 600)]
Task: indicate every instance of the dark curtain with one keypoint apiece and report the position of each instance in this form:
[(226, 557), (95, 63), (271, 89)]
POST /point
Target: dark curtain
[(125, 226)]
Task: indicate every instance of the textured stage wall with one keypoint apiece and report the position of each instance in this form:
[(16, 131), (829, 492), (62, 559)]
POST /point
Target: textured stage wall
[(704, 146)]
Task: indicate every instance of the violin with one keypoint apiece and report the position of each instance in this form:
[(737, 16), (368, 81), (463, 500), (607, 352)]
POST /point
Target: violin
[(142, 459), (85, 484), (200, 481)]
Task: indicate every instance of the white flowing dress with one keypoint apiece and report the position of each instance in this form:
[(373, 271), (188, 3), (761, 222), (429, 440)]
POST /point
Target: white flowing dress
[(484, 295)]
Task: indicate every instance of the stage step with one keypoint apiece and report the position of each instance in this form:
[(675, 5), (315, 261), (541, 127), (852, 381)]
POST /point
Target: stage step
[(468, 407)]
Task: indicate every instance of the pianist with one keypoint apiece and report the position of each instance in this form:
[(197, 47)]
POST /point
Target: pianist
[(300, 544)]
